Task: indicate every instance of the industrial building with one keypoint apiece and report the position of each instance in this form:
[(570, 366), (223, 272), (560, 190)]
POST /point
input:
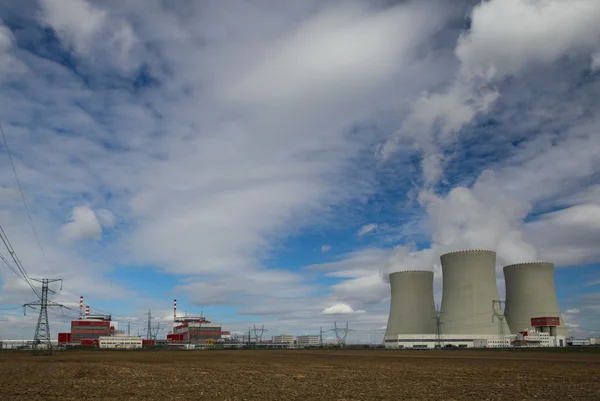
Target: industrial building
[(197, 329), (96, 330), (428, 341), (120, 342), (535, 338), (471, 313), (87, 329), (194, 329), (283, 339), (310, 340)]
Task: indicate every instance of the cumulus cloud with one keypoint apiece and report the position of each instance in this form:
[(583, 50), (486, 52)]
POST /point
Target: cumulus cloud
[(340, 309), (91, 32), (504, 39), (86, 224), (359, 276), (367, 229), (480, 217), (325, 248), (342, 52), (10, 66)]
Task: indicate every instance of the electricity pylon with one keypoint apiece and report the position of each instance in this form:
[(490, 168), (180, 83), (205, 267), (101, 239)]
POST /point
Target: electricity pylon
[(341, 338), (149, 335), (439, 340), (258, 333), (42, 330), (497, 308)]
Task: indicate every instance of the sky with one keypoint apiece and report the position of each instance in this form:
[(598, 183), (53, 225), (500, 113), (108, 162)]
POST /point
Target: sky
[(270, 163)]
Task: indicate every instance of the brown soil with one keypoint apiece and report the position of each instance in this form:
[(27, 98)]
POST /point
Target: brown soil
[(300, 375)]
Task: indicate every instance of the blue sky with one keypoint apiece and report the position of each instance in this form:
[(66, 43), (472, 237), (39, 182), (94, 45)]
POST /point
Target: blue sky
[(269, 163)]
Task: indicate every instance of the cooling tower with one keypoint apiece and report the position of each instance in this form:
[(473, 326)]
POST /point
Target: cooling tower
[(412, 310), (469, 287), (530, 293)]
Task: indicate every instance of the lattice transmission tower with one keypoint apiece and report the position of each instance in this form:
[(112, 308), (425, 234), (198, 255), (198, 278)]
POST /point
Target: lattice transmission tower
[(439, 339), (258, 333), (341, 333), (498, 313), (42, 340)]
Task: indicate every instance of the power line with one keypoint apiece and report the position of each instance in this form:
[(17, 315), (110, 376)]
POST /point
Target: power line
[(15, 258), (7, 263), (37, 238)]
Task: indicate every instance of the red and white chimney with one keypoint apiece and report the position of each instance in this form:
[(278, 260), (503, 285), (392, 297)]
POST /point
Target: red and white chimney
[(81, 307), (87, 311), (174, 310)]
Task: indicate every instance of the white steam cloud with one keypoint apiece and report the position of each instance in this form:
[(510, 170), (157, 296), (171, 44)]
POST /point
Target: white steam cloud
[(481, 217)]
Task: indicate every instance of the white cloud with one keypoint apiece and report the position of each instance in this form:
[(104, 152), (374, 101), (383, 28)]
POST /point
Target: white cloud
[(511, 35), (342, 52), (91, 32), (367, 229), (595, 64), (105, 218), (360, 277), (86, 224), (10, 66), (325, 248), (340, 309), (505, 38)]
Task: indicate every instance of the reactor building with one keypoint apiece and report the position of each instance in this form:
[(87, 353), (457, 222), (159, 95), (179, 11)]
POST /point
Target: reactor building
[(471, 313)]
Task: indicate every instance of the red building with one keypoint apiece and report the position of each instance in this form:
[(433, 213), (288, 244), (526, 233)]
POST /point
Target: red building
[(89, 329), (545, 321)]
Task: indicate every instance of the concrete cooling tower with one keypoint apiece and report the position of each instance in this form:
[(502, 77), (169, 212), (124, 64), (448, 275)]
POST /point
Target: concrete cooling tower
[(412, 309), (469, 287), (530, 293)]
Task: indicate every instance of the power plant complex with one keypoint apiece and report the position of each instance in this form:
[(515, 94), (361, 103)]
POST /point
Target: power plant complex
[(472, 313), (94, 330)]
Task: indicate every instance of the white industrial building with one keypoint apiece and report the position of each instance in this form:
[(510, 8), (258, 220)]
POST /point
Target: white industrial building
[(534, 338), (471, 313), (23, 344), (429, 341), (308, 340), (120, 342), (283, 339)]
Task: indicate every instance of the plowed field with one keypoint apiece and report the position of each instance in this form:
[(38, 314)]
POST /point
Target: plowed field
[(300, 375)]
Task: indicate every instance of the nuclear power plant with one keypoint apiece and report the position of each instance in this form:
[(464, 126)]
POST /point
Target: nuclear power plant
[(472, 313)]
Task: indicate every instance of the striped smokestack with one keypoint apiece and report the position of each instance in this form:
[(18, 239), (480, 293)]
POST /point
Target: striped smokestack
[(174, 310), (87, 310), (81, 307)]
